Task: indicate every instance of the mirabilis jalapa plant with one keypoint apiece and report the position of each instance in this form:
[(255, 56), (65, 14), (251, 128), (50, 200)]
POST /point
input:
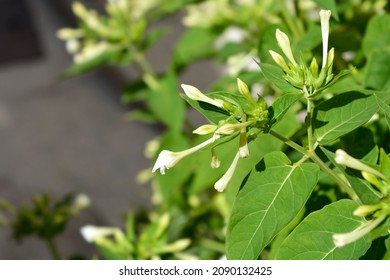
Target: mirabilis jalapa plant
[(270, 201)]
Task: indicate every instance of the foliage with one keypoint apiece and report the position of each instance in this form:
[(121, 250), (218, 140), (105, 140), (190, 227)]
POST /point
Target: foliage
[(298, 150)]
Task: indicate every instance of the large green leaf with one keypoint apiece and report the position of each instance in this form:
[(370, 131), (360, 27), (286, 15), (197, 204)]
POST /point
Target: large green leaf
[(376, 47), (268, 201), (377, 71), (342, 114), (312, 238)]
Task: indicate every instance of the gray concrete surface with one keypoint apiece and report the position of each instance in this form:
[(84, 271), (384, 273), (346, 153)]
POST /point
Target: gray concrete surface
[(66, 136)]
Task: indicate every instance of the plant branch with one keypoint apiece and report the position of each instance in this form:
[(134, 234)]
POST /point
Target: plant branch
[(53, 249), (313, 156)]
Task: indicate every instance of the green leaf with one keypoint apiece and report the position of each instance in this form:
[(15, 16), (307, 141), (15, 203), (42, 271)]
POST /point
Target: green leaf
[(377, 71), (342, 114), (282, 104), (166, 104), (385, 109), (195, 44), (268, 201), (275, 75), (329, 5), (312, 239), (374, 40)]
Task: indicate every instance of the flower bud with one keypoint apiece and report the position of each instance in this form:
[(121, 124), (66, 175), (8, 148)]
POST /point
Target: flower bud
[(195, 94), (284, 44), (280, 61)]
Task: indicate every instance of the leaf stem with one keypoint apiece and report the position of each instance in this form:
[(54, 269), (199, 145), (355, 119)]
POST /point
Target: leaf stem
[(288, 142), (53, 249), (310, 107), (313, 156)]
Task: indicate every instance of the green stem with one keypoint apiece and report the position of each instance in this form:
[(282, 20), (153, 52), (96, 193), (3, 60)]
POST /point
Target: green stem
[(148, 74), (288, 142), (310, 107), (53, 249), (345, 186)]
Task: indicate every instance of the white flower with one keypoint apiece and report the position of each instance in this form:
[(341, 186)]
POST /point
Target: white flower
[(325, 16), (195, 94), (93, 233), (343, 158), (232, 34), (242, 62), (221, 184), (81, 202), (284, 44), (167, 159), (342, 239)]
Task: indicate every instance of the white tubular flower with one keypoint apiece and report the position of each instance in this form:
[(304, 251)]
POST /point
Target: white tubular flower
[(342, 239), (279, 61), (167, 159), (343, 158), (325, 16), (284, 44), (195, 94), (93, 233), (221, 184)]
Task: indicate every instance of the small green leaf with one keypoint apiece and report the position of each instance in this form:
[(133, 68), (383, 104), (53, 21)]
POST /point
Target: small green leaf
[(275, 75), (166, 104), (268, 201), (312, 238), (282, 104)]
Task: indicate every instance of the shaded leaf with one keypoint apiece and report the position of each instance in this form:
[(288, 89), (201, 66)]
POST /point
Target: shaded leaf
[(268, 201), (312, 238)]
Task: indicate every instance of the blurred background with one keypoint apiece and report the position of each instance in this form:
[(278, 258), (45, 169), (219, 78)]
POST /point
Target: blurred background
[(69, 135)]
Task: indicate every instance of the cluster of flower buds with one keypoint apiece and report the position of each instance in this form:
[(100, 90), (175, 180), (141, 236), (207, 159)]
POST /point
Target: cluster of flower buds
[(378, 212), (96, 35), (309, 79), (241, 118)]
